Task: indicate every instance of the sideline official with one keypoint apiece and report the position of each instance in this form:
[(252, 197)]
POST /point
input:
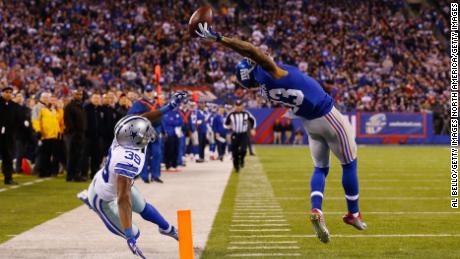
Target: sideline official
[(240, 122)]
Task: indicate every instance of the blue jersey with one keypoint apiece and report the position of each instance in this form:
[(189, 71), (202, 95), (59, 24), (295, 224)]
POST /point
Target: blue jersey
[(297, 91)]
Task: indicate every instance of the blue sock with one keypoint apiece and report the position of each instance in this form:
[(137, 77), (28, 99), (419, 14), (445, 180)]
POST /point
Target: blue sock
[(350, 185), (212, 147), (317, 182), (195, 150), (151, 214)]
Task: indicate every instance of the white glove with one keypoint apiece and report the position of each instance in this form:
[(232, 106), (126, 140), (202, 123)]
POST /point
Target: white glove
[(207, 33)]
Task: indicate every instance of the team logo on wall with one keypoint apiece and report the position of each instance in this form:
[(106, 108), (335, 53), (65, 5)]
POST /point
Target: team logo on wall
[(376, 123)]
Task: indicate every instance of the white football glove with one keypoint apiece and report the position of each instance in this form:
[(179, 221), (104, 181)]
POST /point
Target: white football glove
[(206, 32)]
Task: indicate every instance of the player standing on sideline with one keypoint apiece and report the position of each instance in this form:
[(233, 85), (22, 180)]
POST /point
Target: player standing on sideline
[(326, 126), (112, 194), (149, 102)]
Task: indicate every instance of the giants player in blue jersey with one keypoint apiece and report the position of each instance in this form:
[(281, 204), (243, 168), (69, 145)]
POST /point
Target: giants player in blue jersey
[(327, 128)]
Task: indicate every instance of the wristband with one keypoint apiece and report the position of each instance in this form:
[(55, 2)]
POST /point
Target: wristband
[(128, 233)]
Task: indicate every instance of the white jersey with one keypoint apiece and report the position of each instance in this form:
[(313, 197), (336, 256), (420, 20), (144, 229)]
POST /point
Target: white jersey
[(120, 161)]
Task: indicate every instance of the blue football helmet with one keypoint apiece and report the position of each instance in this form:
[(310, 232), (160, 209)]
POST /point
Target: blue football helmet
[(245, 73)]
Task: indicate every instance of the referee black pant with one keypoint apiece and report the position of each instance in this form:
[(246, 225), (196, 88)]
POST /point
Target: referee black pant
[(239, 147)]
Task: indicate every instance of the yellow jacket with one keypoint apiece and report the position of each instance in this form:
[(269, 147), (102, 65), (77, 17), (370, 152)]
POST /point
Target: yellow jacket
[(47, 123)]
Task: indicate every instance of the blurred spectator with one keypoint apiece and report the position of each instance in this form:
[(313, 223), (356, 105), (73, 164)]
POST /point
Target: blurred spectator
[(277, 129), (9, 123), (298, 139), (171, 121), (24, 134), (47, 127), (109, 119), (92, 156), (74, 135), (287, 129)]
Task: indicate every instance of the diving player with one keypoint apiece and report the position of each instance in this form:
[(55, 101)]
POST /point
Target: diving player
[(112, 194), (327, 128)]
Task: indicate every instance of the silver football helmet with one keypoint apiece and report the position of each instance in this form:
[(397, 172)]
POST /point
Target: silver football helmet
[(134, 132)]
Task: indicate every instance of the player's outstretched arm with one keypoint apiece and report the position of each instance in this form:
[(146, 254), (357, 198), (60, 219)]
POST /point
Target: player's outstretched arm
[(178, 98), (244, 48), (124, 201)]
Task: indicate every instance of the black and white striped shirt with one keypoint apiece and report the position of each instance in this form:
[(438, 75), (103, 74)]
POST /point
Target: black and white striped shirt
[(240, 122)]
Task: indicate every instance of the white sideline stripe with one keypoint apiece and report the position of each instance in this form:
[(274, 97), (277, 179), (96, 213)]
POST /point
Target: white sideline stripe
[(307, 189), (350, 236), (269, 216), (364, 213), (264, 255), (262, 242), (24, 184), (255, 209), (258, 220), (262, 247), (259, 225), (258, 213), (261, 230), (305, 180), (368, 198), (239, 206)]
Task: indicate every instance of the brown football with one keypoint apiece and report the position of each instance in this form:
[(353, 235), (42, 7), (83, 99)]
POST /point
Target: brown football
[(202, 15)]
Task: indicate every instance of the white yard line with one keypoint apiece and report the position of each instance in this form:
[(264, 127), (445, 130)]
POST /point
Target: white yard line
[(259, 220), (13, 187), (261, 230), (264, 216), (263, 247), (259, 225), (305, 180), (262, 242), (394, 198), (349, 236), (265, 255)]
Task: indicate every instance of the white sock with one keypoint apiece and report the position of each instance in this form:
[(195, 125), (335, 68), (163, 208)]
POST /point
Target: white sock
[(356, 214)]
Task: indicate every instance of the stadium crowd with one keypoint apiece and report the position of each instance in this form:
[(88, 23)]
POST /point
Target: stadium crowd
[(370, 55)]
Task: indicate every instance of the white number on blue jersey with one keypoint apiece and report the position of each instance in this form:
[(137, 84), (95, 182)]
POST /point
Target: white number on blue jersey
[(290, 98)]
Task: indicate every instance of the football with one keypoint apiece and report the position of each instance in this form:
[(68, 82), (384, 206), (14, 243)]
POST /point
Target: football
[(201, 15)]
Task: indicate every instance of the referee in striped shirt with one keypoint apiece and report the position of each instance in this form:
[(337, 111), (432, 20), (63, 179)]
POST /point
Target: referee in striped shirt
[(240, 122)]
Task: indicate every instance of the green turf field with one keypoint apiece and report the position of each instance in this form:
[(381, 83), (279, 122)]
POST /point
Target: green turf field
[(404, 198), (33, 202)]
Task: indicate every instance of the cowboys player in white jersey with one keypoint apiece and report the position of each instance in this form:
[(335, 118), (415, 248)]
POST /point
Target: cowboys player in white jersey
[(112, 194)]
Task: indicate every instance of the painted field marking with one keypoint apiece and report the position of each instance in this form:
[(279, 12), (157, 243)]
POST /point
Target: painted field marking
[(25, 184), (259, 220), (257, 206), (265, 255), (366, 188), (380, 212), (250, 216), (245, 209), (259, 225), (262, 242), (257, 213), (262, 230), (262, 247), (394, 198), (350, 236), (305, 180)]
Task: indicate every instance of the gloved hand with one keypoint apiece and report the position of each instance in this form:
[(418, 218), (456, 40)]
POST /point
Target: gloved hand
[(131, 240), (206, 32), (178, 98)]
